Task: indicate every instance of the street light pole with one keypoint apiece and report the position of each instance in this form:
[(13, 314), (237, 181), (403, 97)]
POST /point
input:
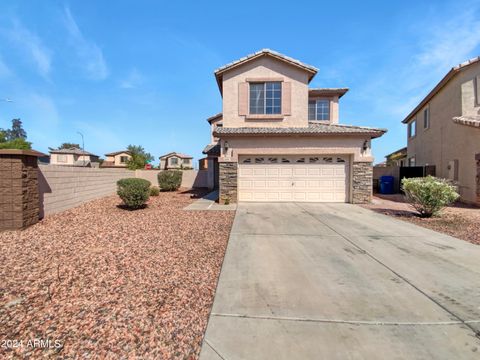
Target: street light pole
[(83, 147)]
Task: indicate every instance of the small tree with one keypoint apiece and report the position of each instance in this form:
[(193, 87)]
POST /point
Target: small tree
[(429, 195), (139, 157), (134, 192), (67, 146), (170, 180), (20, 144)]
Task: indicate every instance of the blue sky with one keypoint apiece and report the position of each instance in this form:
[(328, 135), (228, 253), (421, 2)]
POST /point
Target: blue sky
[(141, 72)]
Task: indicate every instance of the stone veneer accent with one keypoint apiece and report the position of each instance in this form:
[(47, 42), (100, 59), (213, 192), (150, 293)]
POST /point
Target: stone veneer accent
[(477, 160), (19, 195), (228, 181), (362, 182)]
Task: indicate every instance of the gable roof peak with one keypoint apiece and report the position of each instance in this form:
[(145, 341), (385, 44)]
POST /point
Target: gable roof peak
[(264, 52)]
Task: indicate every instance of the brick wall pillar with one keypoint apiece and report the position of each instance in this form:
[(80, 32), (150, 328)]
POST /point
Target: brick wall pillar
[(477, 161), (362, 182), (19, 195), (228, 182)]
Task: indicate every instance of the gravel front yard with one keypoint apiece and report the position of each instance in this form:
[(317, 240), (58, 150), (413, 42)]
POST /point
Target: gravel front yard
[(112, 283), (460, 220)]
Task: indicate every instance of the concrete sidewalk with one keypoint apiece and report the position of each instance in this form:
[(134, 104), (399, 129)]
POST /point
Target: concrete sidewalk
[(208, 202), (336, 281)]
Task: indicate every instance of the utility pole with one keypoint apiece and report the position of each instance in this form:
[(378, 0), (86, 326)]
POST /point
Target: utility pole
[(83, 147)]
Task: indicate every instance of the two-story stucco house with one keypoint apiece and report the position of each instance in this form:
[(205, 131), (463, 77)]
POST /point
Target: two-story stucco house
[(117, 159), (175, 160), (73, 157), (279, 140), (444, 129)]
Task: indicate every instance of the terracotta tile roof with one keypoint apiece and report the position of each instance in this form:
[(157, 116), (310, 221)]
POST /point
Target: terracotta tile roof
[(327, 91), (214, 117), (212, 149), (180, 155), (74, 151), (313, 129), (468, 120), (117, 152), (453, 71), (264, 52)]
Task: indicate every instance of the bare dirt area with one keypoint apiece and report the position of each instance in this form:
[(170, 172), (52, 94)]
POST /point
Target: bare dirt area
[(459, 220), (110, 283)]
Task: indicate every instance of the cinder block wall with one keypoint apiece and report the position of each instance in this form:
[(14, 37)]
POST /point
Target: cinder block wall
[(190, 178), (63, 187)]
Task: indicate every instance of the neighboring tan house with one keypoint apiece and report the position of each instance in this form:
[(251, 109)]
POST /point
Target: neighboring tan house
[(279, 140), (175, 160), (444, 129), (397, 158), (117, 159), (73, 157)]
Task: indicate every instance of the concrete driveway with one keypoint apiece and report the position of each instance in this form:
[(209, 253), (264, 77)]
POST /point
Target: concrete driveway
[(336, 281)]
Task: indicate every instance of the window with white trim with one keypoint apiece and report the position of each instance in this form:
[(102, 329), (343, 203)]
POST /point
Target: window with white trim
[(319, 109), (266, 98), (411, 161)]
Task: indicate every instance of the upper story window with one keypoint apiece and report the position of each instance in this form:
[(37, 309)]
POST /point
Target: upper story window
[(412, 128), (477, 90), (319, 109), (426, 118), (266, 98)]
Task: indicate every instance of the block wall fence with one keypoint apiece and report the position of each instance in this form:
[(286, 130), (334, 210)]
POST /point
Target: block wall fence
[(29, 191)]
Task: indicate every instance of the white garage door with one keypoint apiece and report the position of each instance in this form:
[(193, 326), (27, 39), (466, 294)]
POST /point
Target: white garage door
[(315, 178)]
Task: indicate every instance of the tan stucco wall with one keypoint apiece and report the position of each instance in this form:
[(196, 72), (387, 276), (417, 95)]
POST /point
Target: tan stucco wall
[(266, 67), (445, 140), (117, 159), (293, 145), (179, 164), (71, 159)]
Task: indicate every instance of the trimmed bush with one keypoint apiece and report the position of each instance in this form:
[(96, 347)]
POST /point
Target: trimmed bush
[(170, 180), (154, 191), (134, 192), (429, 195)]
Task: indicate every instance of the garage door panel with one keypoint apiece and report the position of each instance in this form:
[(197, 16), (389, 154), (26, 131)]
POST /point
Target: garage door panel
[(322, 181)]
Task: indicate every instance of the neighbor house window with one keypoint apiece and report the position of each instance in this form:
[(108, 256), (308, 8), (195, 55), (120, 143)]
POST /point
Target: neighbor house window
[(173, 161), (266, 98), (123, 159), (62, 158), (319, 109), (411, 161), (412, 128), (426, 118), (186, 161)]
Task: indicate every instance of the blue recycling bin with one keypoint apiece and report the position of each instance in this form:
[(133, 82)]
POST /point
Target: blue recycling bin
[(386, 184)]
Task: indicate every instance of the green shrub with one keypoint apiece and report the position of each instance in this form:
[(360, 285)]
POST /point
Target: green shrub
[(170, 180), (154, 191), (429, 195), (134, 192)]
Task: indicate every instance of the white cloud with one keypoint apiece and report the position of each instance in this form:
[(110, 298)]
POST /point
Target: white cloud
[(132, 80), (90, 55), (32, 45)]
